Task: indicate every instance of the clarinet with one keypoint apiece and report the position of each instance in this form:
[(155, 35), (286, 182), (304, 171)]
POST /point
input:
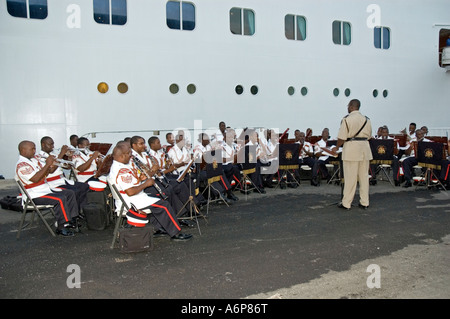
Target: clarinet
[(163, 179), (143, 169)]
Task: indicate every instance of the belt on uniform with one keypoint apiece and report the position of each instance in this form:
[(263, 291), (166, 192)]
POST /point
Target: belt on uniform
[(357, 139)]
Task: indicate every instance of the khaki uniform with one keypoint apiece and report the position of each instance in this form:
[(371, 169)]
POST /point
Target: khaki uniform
[(356, 156)]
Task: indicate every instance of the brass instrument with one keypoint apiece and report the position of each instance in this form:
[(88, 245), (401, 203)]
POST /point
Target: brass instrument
[(63, 162), (145, 169)]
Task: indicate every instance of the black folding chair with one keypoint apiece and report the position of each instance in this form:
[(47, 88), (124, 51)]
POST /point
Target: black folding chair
[(120, 212), (28, 206)]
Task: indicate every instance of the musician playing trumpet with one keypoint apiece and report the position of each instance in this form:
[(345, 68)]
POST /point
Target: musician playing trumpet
[(55, 177), (85, 161)]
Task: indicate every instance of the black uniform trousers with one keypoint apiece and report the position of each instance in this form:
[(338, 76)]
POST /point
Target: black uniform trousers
[(65, 205), (164, 217), (80, 189), (171, 196)]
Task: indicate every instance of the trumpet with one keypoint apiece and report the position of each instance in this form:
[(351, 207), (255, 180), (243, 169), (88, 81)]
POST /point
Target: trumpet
[(63, 163)]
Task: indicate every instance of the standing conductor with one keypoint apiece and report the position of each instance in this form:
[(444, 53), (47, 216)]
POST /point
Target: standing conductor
[(354, 134)]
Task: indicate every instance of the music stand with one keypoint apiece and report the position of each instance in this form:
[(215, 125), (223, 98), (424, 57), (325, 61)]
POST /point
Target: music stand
[(247, 158), (382, 154), (334, 161), (288, 160), (214, 172), (430, 155), (192, 206)]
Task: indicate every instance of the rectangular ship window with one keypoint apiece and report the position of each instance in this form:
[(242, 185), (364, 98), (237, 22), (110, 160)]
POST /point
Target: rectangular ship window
[(295, 27), (180, 15), (342, 32), (242, 21), (381, 38), (33, 9), (110, 11)]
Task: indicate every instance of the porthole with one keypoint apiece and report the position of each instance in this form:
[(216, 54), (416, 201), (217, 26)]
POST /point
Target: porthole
[(347, 92), (102, 87), (291, 90), (375, 93), (385, 93), (191, 88), (304, 90), (336, 92), (239, 89), (173, 88), (254, 90), (122, 87)]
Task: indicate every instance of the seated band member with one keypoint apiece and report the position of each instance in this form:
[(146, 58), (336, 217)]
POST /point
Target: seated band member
[(383, 134), (306, 154), (32, 174), (148, 163), (131, 185), (85, 161), (219, 189), (322, 158), (445, 170), (167, 167), (411, 160), (56, 178), (229, 153), (250, 139)]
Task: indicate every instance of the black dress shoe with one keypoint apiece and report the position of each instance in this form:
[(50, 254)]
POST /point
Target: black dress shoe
[(159, 233), (181, 237), (314, 182), (342, 206), (66, 232), (362, 206), (397, 183), (407, 184), (187, 222), (232, 197)]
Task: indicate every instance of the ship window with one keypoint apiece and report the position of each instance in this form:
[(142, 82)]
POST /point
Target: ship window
[(191, 88), (33, 9), (304, 90), (173, 88), (381, 38), (102, 87), (122, 87), (347, 92), (342, 32), (110, 11), (291, 90), (375, 93), (295, 27), (180, 15), (385, 93), (336, 92), (254, 89), (239, 89), (242, 21)]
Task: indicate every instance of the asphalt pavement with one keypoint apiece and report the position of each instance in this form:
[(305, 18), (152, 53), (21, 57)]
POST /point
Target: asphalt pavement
[(285, 244)]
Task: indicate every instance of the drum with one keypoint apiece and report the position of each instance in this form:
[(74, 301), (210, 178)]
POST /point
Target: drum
[(97, 186)]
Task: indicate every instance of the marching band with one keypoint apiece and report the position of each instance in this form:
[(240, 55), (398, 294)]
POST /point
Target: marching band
[(174, 173)]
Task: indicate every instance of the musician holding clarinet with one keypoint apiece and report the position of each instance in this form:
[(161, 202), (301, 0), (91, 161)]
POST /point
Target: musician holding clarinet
[(354, 134), (131, 185), (149, 166)]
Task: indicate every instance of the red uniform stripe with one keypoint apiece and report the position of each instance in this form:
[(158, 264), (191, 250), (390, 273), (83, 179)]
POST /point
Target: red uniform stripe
[(61, 203), (171, 218)]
